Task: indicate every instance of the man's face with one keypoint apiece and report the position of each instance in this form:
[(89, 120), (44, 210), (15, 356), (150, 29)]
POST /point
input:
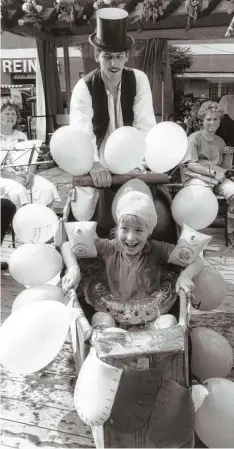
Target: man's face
[(132, 234), (112, 64)]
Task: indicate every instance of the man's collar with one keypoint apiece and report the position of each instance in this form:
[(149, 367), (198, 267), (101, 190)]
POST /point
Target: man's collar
[(109, 92), (147, 248)]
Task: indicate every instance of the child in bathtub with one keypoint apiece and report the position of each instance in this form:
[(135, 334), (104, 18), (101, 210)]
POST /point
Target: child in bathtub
[(134, 265)]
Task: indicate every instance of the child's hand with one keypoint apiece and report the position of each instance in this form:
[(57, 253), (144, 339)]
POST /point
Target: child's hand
[(185, 283), (71, 279)]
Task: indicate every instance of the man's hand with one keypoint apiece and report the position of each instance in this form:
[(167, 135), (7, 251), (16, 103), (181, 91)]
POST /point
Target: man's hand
[(100, 175), (220, 174), (71, 279), (228, 150)]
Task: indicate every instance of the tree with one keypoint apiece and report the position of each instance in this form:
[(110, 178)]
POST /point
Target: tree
[(181, 59)]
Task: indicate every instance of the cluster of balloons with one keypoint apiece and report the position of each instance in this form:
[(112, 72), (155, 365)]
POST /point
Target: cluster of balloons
[(163, 148), (37, 328), (211, 362), (214, 406)]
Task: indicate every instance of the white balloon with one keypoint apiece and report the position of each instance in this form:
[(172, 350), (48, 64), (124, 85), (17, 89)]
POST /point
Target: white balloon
[(72, 149), (124, 150), (35, 264), (95, 390), (35, 223), (38, 293), (196, 206), (199, 393), (133, 185), (166, 146), (214, 419), (31, 337)]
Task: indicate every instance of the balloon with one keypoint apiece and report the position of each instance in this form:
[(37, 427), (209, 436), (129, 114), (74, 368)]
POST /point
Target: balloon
[(38, 293), (124, 150), (166, 146), (199, 393), (211, 354), (31, 337), (129, 186), (95, 394), (35, 264), (72, 149), (196, 206), (214, 419), (35, 223), (210, 289), (165, 321)]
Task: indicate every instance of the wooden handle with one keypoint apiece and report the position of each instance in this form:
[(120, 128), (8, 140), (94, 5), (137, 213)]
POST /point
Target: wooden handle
[(81, 318), (184, 310), (148, 178)]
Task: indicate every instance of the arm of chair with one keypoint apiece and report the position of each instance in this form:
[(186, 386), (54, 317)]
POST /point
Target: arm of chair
[(81, 319)]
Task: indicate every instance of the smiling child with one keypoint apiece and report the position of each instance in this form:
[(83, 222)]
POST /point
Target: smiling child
[(134, 263)]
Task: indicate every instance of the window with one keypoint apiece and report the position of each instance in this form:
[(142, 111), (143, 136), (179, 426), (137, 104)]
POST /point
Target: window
[(213, 91)]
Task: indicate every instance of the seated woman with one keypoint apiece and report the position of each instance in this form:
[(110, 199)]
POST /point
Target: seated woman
[(134, 265), (208, 157), (16, 182)]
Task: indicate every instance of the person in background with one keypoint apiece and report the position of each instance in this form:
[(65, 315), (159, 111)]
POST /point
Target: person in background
[(208, 157), (19, 183), (110, 97), (8, 210), (226, 128)]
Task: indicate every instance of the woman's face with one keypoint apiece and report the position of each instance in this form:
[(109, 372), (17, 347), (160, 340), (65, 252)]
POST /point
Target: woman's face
[(211, 122), (132, 234), (9, 116)]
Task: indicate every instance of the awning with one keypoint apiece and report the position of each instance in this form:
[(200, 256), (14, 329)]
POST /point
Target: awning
[(205, 75)]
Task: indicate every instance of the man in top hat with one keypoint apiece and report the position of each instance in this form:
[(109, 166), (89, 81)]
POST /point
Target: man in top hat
[(111, 96)]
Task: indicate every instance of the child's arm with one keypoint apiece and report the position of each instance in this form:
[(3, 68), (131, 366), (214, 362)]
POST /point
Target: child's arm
[(72, 277), (184, 280)]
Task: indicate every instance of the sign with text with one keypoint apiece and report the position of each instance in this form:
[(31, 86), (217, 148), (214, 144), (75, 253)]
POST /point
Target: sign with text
[(19, 65)]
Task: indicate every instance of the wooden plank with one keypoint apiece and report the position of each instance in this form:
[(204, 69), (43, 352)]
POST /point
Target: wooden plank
[(25, 436), (43, 416), (67, 71), (135, 344), (39, 393), (211, 33)]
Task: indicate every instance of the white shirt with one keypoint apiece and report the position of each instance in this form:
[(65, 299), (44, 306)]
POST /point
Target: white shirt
[(81, 110)]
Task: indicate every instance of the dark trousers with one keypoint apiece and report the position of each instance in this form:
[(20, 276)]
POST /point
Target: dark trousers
[(8, 210)]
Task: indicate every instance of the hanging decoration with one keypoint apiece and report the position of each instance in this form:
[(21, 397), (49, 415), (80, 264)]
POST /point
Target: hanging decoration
[(68, 10), (98, 4), (230, 28), (32, 14), (153, 9), (193, 8), (78, 13)]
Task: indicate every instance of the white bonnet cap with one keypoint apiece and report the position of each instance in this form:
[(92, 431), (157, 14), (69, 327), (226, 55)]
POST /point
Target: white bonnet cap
[(139, 204)]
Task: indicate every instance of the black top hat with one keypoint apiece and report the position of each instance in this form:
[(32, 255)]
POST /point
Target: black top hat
[(111, 32)]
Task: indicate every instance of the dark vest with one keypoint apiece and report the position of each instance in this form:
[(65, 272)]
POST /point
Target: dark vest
[(98, 93)]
